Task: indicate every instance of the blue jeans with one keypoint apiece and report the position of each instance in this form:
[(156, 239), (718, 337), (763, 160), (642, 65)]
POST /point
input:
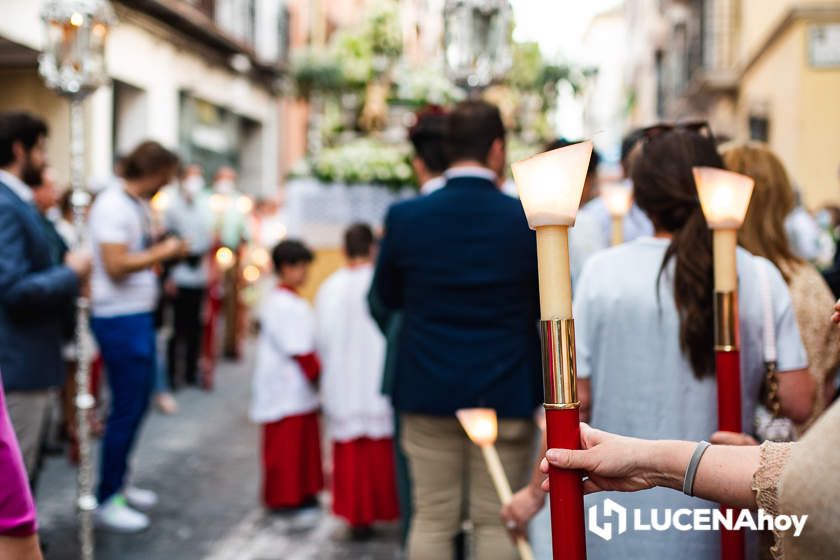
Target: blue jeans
[(127, 344)]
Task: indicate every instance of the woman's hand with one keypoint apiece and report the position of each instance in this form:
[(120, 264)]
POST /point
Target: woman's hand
[(732, 438), (524, 505), (612, 462), (835, 317)]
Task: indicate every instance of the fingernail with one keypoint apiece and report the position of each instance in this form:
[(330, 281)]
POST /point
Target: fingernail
[(552, 454)]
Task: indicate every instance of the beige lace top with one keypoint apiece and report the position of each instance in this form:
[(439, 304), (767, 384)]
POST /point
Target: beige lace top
[(812, 303), (804, 478)]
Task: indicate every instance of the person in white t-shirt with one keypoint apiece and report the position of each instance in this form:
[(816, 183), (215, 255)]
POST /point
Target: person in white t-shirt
[(284, 396), (359, 417), (123, 298)]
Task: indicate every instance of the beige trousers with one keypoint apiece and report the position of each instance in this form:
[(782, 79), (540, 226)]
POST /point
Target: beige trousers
[(28, 412), (448, 471)]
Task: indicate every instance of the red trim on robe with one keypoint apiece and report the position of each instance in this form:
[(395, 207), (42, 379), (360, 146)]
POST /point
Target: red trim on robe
[(364, 483), (310, 364), (291, 459)]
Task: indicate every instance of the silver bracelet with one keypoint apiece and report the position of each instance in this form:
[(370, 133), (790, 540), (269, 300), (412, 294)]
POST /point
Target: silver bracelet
[(691, 471)]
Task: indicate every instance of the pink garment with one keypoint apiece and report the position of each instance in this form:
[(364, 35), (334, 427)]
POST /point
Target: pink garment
[(17, 508)]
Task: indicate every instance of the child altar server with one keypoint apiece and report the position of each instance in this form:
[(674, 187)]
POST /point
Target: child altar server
[(359, 418), (285, 397)]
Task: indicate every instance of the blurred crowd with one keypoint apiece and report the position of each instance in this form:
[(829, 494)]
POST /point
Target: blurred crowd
[(161, 258), (435, 315)]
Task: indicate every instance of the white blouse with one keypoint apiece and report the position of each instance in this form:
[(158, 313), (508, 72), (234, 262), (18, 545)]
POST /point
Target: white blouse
[(642, 384)]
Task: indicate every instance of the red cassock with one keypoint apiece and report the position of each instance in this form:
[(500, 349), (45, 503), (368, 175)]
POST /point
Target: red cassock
[(364, 486), (291, 461), (292, 452)]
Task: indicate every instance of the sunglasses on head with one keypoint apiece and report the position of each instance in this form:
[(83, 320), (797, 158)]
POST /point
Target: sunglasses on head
[(700, 127)]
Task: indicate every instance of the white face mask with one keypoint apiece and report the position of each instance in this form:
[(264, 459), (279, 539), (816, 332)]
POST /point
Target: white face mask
[(224, 186), (194, 184)]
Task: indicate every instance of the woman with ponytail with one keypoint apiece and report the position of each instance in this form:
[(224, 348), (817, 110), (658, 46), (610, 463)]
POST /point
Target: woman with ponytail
[(645, 339)]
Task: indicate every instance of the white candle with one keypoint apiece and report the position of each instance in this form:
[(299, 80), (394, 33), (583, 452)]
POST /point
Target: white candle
[(555, 279)]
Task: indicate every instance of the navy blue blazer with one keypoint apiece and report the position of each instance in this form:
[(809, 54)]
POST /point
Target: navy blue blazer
[(34, 294), (461, 264)]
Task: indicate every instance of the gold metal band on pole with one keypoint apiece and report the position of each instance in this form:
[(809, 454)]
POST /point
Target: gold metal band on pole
[(558, 360), (726, 322)]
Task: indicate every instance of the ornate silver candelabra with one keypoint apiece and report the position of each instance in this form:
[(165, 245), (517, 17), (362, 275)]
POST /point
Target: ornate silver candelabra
[(73, 64)]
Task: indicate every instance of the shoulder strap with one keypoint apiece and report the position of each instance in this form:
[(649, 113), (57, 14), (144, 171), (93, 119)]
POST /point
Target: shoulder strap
[(768, 320)]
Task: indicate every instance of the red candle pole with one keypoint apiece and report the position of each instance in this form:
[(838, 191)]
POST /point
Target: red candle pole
[(725, 197), (727, 359), (550, 186), (562, 408)]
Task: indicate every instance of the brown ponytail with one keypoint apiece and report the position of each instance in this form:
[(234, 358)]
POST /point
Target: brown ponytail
[(664, 188)]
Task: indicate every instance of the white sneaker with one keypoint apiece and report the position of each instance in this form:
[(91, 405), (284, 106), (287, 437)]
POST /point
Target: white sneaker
[(116, 515), (140, 498), (166, 403)]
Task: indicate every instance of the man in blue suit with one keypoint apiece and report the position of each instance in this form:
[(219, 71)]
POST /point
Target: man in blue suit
[(35, 289), (461, 265)]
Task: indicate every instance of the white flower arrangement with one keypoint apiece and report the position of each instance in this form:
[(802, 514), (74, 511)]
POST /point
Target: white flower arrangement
[(365, 161), (426, 85)]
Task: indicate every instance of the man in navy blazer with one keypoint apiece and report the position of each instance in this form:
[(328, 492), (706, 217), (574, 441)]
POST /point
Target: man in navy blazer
[(35, 290), (461, 265)]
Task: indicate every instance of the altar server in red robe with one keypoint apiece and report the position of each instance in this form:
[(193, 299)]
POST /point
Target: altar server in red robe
[(359, 417), (285, 396)]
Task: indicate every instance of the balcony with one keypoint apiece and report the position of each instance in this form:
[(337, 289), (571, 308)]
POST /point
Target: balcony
[(196, 19)]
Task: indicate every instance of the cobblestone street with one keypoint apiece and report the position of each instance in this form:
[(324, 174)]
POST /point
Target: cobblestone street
[(203, 463)]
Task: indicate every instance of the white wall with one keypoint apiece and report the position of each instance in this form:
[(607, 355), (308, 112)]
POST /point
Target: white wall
[(160, 71)]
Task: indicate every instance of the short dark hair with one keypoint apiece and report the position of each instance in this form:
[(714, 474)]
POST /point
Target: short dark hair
[(472, 128), (290, 251), (358, 240), (18, 126), (594, 160), (148, 158), (427, 136)]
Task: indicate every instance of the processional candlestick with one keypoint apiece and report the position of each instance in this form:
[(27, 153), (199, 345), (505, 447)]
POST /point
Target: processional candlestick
[(73, 64)]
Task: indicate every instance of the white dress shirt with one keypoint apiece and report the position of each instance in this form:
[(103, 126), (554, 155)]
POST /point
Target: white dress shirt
[(470, 171), (432, 185), (18, 187)]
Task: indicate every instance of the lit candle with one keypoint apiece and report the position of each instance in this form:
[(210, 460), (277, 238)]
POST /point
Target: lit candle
[(481, 426), (725, 197), (618, 199), (224, 258), (550, 186)]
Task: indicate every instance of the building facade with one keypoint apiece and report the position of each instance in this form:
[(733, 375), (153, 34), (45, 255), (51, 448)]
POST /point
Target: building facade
[(200, 76), (756, 69)]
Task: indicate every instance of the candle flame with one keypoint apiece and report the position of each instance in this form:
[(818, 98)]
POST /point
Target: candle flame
[(480, 424), (260, 257), (224, 257), (217, 203), (244, 204), (251, 273)]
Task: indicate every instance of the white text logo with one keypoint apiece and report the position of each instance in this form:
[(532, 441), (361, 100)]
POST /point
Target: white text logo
[(615, 520)]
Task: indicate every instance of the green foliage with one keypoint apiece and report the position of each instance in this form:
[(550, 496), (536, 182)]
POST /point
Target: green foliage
[(527, 66), (315, 70), (354, 56), (382, 30)]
